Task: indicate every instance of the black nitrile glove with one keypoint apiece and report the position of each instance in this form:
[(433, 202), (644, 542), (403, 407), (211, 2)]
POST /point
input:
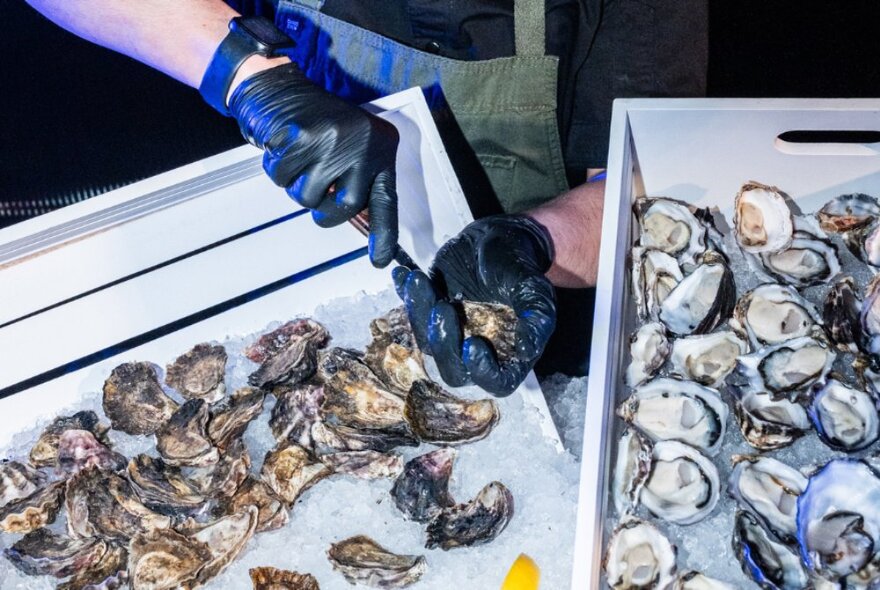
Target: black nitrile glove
[(315, 141), (499, 259)]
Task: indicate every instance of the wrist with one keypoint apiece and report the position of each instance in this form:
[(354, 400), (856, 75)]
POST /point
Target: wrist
[(253, 65)]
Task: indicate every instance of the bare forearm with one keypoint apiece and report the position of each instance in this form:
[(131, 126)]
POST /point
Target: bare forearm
[(574, 221)]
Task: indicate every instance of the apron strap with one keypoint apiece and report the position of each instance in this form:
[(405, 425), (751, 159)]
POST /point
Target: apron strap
[(528, 24)]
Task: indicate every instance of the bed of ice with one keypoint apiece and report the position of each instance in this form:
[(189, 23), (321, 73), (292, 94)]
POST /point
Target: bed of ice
[(542, 480), (706, 546)]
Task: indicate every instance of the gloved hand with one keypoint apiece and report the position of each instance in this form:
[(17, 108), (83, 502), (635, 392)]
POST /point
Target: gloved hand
[(499, 259), (314, 140)]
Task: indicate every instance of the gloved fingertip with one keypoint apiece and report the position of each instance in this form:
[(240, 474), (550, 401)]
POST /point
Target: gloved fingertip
[(399, 274), (382, 246)]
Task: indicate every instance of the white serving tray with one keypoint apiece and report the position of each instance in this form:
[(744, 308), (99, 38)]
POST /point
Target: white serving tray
[(702, 151), (209, 250)]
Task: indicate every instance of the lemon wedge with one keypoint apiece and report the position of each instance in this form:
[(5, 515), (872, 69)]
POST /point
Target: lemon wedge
[(523, 575)]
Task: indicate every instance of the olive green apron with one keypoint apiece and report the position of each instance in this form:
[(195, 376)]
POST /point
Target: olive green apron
[(506, 107)]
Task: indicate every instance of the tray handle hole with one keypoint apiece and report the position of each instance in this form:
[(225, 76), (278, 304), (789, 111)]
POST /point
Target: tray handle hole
[(810, 142)]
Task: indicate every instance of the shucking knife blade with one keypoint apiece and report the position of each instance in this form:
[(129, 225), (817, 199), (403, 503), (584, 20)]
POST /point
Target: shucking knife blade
[(361, 222)]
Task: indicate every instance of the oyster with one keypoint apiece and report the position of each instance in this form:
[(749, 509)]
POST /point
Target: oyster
[(638, 556), (762, 219), (199, 373), (769, 489), (786, 369), (864, 243), (842, 310), (103, 504), (79, 449), (364, 464), (363, 561), (45, 452), (654, 276), (225, 477), (707, 359), (162, 487), (328, 438), (34, 511), (765, 423), (692, 580), (421, 492), (845, 418), (870, 317), (354, 396), (494, 322), (478, 522), (183, 440), (225, 539), (808, 260), (43, 553), (165, 559), (765, 559), (436, 416), (673, 227), (18, 480), (253, 492), (231, 417), (634, 459), (393, 354), (848, 212), (702, 300), (109, 573), (683, 486), (269, 578), (134, 400), (771, 314), (290, 470), (670, 409), (296, 411), (648, 348), (288, 354)]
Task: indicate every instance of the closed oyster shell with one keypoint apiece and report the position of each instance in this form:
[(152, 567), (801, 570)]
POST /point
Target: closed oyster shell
[(297, 409), (393, 354), (421, 492), (18, 480), (225, 538), (290, 470), (841, 313), (329, 438), (494, 322), (436, 416), (44, 553), (269, 578), (288, 354), (253, 492), (79, 449), (109, 573), (477, 522), (638, 556), (32, 512), (223, 479), (363, 561), (272, 343), (870, 317), (199, 373), (364, 464), (231, 417), (45, 452), (163, 488), (134, 400), (165, 559), (184, 440)]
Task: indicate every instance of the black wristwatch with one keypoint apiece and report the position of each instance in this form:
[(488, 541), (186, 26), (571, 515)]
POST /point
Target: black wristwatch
[(248, 35)]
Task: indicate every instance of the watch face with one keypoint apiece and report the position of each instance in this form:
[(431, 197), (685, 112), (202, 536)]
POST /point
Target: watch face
[(263, 30)]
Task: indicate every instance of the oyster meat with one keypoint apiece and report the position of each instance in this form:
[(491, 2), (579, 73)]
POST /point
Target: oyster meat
[(638, 556), (253, 492), (163, 488), (764, 558), (670, 409), (393, 354), (436, 416), (673, 227), (765, 423), (296, 411), (707, 359), (199, 373), (769, 489), (810, 258), (269, 578), (364, 464), (842, 310), (363, 561), (79, 449), (772, 314), (845, 418), (183, 440), (787, 369), (290, 470), (634, 460), (702, 300), (477, 522), (18, 480), (692, 580), (421, 492), (134, 400), (762, 220), (654, 276), (494, 322), (287, 355), (683, 486), (648, 348), (231, 417), (34, 511), (45, 452), (848, 212), (44, 553)]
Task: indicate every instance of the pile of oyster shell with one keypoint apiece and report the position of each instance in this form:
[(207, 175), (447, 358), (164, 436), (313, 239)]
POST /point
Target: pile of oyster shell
[(798, 351), (178, 518)]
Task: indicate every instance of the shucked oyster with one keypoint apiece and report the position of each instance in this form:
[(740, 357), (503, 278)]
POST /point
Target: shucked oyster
[(786, 369), (494, 322), (288, 354), (45, 452), (673, 227), (269, 578), (184, 440), (771, 314), (290, 470), (231, 417), (34, 511), (421, 492), (707, 358), (635, 456), (393, 355), (762, 219), (638, 556), (43, 553), (810, 258), (769, 489), (764, 558), (683, 486), (199, 373), (768, 424), (439, 417), (848, 212), (134, 400), (702, 300), (363, 561), (845, 418), (477, 522), (648, 348), (18, 480), (654, 276), (692, 580)]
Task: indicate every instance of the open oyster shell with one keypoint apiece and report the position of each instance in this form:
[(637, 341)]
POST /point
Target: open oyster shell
[(34, 511), (771, 314), (477, 522), (269, 578), (845, 418), (363, 561), (673, 227), (762, 220), (706, 358), (810, 259), (769, 489), (638, 556), (635, 456), (183, 440), (841, 312), (787, 369), (649, 348), (436, 416), (765, 423), (692, 580), (848, 212), (864, 243), (199, 373), (45, 452), (421, 492), (655, 275), (683, 486), (702, 300), (765, 559), (134, 400)]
